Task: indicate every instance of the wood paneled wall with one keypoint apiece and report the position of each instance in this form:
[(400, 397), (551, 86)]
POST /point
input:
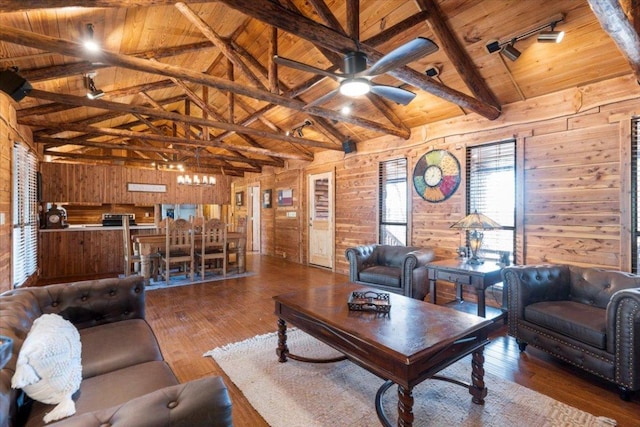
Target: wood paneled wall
[(101, 184), (572, 179)]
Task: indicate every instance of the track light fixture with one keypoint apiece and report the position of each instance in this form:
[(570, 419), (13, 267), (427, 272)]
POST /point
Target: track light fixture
[(89, 43), (510, 51), (93, 92), (298, 129), (507, 48)]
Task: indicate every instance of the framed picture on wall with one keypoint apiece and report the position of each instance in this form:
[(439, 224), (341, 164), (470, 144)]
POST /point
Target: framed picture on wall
[(266, 199), (239, 198), (285, 197)]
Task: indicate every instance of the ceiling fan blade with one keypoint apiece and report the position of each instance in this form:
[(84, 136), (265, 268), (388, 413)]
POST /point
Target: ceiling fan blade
[(304, 67), (408, 52), (395, 94), (322, 99)]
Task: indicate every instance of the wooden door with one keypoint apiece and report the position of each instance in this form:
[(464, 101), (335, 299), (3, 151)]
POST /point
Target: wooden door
[(321, 223), (253, 228)]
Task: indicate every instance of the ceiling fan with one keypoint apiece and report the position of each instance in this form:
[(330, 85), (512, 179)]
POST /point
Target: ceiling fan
[(356, 78)]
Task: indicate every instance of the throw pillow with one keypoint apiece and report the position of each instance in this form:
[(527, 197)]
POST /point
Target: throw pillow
[(49, 367)]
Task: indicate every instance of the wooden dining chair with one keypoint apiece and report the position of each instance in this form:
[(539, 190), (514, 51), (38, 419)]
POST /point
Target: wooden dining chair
[(132, 257), (178, 249), (213, 249), (236, 243)]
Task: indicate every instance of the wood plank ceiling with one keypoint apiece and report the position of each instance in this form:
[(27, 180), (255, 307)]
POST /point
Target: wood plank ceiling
[(194, 83)]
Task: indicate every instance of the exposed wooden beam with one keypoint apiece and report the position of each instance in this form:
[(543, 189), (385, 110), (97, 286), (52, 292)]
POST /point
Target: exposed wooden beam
[(20, 5), (70, 48), (273, 14), (399, 28), (175, 117), (620, 28), (353, 19), (92, 130), (458, 56)]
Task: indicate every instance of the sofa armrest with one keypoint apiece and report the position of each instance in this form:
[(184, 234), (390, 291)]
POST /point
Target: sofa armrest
[(202, 402), (93, 302), (528, 284), (418, 258), (358, 258), (623, 336)]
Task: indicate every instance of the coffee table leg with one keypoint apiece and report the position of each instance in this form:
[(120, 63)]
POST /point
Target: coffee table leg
[(477, 388), (282, 349), (405, 407)]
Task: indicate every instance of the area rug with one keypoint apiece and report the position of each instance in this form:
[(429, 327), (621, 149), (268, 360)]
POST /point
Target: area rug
[(183, 280), (343, 394)]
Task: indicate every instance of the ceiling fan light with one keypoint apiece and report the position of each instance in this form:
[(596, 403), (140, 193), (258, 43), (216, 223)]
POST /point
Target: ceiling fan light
[(550, 36), (355, 87)]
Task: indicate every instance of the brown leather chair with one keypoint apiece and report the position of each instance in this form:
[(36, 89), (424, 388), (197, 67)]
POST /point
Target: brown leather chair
[(398, 269), (588, 317)]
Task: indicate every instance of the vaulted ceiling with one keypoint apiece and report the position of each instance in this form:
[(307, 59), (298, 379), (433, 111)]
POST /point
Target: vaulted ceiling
[(195, 83)]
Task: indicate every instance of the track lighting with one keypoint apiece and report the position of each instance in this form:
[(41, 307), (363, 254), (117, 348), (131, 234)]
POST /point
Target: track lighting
[(298, 129), (89, 43), (508, 49), (93, 92)]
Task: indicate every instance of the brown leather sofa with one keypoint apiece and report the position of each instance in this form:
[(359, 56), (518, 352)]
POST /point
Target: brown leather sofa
[(588, 317), (125, 381), (398, 269)]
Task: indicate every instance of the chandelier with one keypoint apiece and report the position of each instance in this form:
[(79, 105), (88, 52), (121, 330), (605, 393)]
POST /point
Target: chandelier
[(195, 179)]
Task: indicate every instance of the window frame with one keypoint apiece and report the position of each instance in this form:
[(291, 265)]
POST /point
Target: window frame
[(400, 175), (635, 197), (472, 205)]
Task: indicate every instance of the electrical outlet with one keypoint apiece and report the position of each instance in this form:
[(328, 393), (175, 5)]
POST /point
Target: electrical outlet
[(2, 218)]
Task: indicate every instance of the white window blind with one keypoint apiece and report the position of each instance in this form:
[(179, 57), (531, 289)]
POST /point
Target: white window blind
[(635, 193), (491, 189), (393, 202), (25, 214)]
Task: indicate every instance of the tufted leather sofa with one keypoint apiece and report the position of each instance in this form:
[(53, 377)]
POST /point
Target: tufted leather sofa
[(398, 269), (588, 317), (126, 382)]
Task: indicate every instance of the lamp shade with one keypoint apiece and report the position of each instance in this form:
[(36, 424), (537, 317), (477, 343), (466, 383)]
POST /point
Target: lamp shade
[(476, 221)]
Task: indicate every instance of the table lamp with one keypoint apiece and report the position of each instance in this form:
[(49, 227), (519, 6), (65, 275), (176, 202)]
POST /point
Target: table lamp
[(476, 223)]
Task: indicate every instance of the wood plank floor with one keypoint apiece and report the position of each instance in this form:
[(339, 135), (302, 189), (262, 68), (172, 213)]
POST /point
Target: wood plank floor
[(191, 320)]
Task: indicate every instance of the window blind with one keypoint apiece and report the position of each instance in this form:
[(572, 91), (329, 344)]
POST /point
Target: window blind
[(392, 204), (491, 191), (635, 173), (25, 214)]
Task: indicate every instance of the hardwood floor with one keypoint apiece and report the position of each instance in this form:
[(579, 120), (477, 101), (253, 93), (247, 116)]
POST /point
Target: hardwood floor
[(191, 320)]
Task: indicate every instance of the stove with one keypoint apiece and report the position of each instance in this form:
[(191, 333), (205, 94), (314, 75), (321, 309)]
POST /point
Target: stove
[(111, 219)]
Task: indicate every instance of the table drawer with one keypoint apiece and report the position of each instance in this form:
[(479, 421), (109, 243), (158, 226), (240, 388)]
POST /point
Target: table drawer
[(453, 277)]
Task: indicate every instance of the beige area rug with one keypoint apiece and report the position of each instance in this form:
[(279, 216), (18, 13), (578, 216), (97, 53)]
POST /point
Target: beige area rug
[(343, 394)]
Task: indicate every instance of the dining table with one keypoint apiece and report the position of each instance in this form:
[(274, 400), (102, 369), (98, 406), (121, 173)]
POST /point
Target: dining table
[(149, 244)]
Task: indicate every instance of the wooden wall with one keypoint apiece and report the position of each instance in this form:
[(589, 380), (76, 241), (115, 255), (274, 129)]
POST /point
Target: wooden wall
[(572, 179), (102, 184)]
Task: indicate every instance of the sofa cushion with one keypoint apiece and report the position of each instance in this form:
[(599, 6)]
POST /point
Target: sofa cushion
[(582, 322), (113, 388), (113, 346), (49, 365), (381, 275), (391, 256)]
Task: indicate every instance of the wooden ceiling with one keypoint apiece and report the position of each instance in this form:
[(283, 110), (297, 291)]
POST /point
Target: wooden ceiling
[(194, 83)]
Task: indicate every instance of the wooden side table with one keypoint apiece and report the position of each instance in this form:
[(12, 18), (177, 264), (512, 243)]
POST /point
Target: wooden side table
[(459, 272)]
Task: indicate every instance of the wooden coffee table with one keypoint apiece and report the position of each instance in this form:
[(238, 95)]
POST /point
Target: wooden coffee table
[(412, 343)]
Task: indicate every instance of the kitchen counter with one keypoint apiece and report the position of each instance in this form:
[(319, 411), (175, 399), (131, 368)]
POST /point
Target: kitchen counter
[(97, 227)]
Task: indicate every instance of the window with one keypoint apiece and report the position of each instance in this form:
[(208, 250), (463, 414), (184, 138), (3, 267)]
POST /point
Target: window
[(25, 217), (393, 202), (491, 190), (635, 193)]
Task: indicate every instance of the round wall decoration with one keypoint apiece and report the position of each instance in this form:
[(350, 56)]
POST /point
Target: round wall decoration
[(436, 175)]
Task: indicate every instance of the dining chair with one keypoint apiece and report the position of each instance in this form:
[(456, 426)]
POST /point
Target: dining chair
[(236, 242), (213, 249), (178, 249), (132, 256)]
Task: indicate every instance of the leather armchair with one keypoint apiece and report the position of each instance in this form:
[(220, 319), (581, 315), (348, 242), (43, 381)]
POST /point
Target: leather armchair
[(398, 269), (588, 317)]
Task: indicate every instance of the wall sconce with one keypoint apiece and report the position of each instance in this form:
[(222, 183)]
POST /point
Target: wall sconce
[(508, 49), (93, 92)]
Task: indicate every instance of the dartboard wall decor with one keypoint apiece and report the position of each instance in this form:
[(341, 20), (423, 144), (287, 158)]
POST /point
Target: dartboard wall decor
[(436, 175)]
